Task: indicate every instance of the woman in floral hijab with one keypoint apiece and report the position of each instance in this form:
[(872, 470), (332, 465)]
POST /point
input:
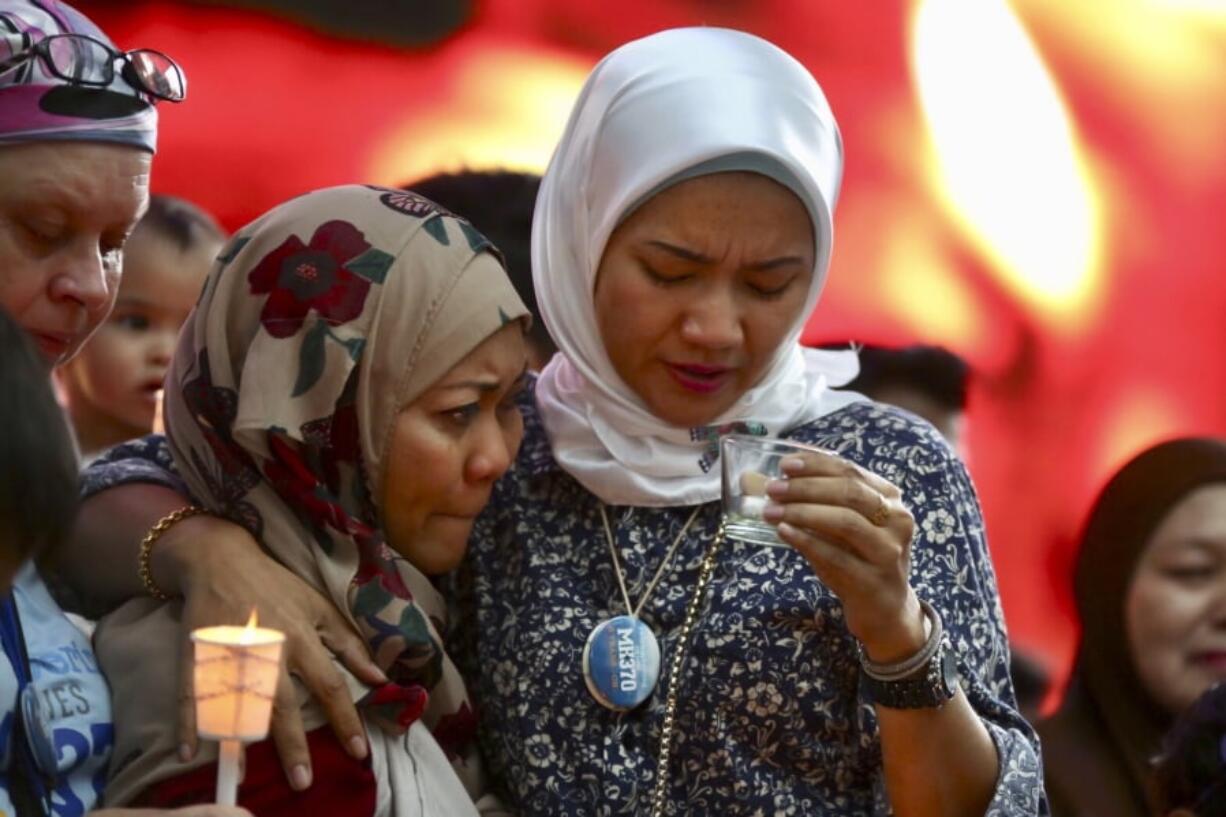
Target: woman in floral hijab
[(309, 385)]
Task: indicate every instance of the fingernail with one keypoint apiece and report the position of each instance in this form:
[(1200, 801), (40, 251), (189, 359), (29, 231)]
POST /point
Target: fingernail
[(773, 512), (357, 747), (791, 464), (785, 529), (777, 488), (300, 777), (185, 752), (375, 674)]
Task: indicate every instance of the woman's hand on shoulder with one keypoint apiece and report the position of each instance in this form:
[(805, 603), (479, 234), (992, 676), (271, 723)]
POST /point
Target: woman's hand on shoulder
[(223, 575), (854, 529)]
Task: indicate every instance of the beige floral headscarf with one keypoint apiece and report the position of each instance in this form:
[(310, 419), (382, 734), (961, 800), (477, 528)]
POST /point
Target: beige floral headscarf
[(318, 323)]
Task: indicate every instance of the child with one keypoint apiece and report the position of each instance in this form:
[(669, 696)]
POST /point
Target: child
[(113, 386)]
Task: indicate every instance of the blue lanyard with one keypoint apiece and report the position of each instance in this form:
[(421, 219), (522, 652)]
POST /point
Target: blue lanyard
[(15, 649)]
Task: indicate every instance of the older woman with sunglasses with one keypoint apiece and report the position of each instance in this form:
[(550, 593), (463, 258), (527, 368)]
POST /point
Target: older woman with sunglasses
[(78, 129)]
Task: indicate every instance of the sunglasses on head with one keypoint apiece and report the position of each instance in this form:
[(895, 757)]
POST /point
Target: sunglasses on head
[(81, 60)]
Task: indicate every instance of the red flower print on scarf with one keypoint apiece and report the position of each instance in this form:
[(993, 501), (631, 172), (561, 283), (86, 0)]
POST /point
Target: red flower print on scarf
[(213, 408), (308, 496), (456, 731), (397, 706), (374, 567), (336, 436), (300, 277)]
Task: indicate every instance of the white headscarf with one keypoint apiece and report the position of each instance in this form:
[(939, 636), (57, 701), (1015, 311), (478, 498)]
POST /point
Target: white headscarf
[(649, 114)]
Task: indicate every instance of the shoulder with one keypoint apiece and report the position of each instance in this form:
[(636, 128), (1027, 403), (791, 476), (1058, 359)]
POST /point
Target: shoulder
[(147, 459), (885, 439), (866, 416), (911, 454), (1083, 769), (1074, 730), (535, 452), (49, 634), (153, 448)]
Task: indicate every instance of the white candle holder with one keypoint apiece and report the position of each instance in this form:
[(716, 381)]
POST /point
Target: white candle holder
[(236, 671)]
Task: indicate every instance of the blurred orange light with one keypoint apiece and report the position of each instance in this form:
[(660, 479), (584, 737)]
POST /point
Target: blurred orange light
[(1006, 161), (507, 109), (1131, 422), (1161, 62), (921, 289)]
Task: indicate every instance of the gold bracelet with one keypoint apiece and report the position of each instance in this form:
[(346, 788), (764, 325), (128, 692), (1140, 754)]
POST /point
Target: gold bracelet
[(146, 548)]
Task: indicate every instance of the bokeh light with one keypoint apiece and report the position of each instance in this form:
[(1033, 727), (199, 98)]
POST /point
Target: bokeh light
[(1007, 160)]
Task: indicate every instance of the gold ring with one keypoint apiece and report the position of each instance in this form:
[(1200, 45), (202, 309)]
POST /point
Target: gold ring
[(881, 513)]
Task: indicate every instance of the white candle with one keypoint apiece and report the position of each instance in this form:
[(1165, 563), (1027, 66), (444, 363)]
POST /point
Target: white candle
[(752, 506), (227, 772), (753, 489), (236, 670)]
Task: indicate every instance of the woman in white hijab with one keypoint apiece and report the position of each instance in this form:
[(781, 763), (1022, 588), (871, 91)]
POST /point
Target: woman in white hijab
[(681, 241)]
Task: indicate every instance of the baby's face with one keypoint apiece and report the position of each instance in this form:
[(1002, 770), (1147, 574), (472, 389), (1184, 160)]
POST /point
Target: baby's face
[(119, 373)]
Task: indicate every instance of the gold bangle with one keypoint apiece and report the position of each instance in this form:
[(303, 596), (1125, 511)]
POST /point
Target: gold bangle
[(146, 548)]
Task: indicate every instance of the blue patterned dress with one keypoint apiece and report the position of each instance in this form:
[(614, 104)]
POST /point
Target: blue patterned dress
[(771, 719)]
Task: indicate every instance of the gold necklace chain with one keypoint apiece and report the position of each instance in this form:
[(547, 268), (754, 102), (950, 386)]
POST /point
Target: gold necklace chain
[(674, 679), (632, 610)]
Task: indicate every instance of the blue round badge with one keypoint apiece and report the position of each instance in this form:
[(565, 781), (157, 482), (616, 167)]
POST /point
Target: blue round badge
[(621, 663), (38, 729)]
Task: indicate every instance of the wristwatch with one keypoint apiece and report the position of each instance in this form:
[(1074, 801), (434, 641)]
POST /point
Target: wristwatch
[(929, 687)]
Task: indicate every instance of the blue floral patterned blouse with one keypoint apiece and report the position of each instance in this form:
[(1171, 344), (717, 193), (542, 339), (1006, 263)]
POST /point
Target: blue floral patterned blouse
[(771, 719)]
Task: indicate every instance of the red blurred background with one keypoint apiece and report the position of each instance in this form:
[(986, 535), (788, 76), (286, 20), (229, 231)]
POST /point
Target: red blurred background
[(1035, 185)]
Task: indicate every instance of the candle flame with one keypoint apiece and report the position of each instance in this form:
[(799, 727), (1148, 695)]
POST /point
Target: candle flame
[(252, 620)]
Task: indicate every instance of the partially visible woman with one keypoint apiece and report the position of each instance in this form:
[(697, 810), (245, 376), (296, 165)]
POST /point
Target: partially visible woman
[(78, 130), (345, 390), (1150, 588), (47, 660), (38, 464), (681, 242)]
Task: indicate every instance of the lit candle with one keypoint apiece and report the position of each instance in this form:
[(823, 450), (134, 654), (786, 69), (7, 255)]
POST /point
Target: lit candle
[(236, 671), (753, 499), (752, 506)]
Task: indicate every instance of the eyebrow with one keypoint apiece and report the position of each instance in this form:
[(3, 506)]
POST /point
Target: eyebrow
[(698, 258), (484, 386), (55, 196), (1199, 543)]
